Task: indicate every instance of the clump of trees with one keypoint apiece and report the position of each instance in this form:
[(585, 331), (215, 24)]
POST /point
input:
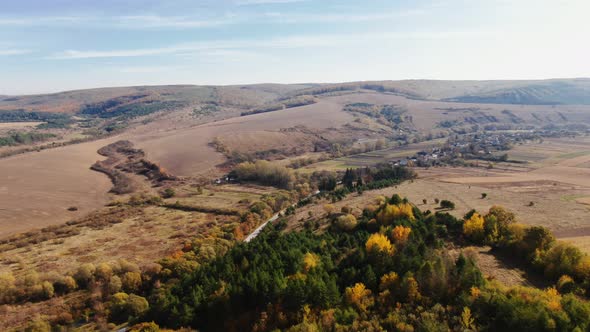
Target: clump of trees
[(265, 173), (21, 138), (536, 247)]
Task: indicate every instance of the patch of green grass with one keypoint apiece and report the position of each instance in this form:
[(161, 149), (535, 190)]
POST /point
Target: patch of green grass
[(573, 155), (571, 198)]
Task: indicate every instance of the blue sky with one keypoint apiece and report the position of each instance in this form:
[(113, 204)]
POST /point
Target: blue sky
[(55, 45)]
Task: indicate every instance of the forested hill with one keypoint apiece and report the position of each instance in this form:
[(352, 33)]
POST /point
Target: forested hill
[(390, 269)]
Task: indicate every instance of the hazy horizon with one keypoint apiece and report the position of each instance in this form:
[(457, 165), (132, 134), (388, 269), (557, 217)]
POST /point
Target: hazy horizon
[(71, 45)]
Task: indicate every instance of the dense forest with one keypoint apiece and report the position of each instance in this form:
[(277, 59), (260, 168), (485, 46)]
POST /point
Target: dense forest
[(389, 270)]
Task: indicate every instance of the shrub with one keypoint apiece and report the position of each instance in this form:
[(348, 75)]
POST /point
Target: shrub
[(6, 286), (168, 193), (47, 290), (65, 285), (84, 274), (103, 272), (561, 259), (137, 305), (115, 285), (346, 222), (131, 281), (38, 325), (446, 204)]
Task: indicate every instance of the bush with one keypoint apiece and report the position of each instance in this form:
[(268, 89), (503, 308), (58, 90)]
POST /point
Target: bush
[(168, 193), (346, 222), (103, 272), (115, 285), (84, 274), (38, 325), (124, 307), (445, 204), (65, 285), (131, 281)]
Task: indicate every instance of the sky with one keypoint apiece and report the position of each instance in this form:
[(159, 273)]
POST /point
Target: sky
[(56, 45)]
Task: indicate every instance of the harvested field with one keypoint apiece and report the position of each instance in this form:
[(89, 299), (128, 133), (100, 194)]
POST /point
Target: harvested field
[(36, 189), (188, 153), (554, 160)]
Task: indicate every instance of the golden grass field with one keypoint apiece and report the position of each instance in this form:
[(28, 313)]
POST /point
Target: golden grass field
[(140, 235)]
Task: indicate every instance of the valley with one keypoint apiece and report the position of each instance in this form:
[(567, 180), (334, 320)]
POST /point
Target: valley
[(160, 181)]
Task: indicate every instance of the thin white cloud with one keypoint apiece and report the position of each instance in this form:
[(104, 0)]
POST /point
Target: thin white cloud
[(266, 2), (153, 21), (340, 18), (7, 52), (148, 69), (289, 42), (156, 21), (41, 21)]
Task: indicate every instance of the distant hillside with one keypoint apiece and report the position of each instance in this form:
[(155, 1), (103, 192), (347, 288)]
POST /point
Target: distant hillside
[(538, 93), (107, 101)]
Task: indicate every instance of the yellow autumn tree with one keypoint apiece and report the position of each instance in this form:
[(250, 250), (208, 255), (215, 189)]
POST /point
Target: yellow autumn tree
[(388, 286), (310, 261), (466, 320), (412, 289), (473, 227), (388, 281), (582, 268), (553, 299), (400, 234), (359, 296), (379, 243), (392, 212)]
